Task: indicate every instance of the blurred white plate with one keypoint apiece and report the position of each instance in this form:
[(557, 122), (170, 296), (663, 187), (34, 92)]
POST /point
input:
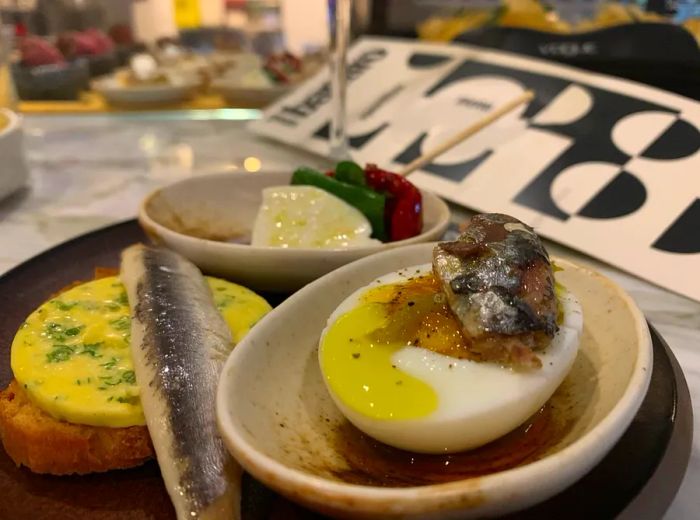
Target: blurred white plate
[(139, 95)]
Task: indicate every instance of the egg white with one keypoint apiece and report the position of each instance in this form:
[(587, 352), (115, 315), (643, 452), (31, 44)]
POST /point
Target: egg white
[(477, 402)]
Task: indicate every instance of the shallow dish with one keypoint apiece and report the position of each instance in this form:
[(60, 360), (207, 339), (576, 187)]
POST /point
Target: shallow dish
[(144, 95), (52, 82), (200, 218), (278, 420), (102, 64), (14, 173), (237, 95)]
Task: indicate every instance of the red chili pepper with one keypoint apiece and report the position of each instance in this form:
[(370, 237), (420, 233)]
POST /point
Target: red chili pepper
[(278, 76), (292, 61), (404, 208)]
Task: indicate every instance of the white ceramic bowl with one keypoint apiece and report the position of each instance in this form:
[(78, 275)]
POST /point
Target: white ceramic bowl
[(144, 95), (279, 422), (13, 173), (221, 206)]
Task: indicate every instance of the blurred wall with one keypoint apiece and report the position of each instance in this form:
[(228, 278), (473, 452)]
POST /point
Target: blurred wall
[(153, 19), (213, 12), (305, 24), (116, 11)]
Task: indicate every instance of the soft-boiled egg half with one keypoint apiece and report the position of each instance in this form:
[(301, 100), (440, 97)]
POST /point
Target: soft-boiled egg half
[(391, 359), (306, 216)]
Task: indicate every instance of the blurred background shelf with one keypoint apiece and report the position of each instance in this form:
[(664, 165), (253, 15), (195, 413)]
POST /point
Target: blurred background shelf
[(92, 102), (650, 41)]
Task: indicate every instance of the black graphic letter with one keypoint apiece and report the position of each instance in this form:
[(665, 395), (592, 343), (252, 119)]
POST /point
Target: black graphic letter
[(683, 236)]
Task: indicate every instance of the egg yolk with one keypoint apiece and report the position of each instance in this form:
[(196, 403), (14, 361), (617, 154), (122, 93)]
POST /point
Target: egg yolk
[(357, 349)]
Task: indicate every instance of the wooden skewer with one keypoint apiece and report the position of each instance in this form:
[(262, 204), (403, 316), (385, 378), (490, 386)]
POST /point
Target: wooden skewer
[(472, 129)]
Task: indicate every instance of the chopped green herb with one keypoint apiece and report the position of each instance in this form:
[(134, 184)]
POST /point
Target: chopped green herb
[(55, 331), (110, 398), (60, 353), (128, 399), (112, 306), (221, 288), (129, 377), (90, 349), (110, 364), (64, 306), (110, 381), (74, 331), (123, 299), (123, 323)]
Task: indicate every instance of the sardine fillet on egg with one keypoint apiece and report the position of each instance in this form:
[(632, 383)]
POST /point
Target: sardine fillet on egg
[(179, 343), (499, 283)]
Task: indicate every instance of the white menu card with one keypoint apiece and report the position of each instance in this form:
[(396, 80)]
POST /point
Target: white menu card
[(606, 166)]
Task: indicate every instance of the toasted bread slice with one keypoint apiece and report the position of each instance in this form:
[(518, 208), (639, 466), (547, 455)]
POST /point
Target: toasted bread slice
[(34, 439)]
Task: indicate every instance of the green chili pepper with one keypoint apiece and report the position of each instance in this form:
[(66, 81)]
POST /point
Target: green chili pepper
[(350, 173), (369, 202)]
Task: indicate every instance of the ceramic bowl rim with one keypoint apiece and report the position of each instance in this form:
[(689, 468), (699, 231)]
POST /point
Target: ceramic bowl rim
[(14, 121), (101, 86), (223, 85), (566, 465), (149, 223)]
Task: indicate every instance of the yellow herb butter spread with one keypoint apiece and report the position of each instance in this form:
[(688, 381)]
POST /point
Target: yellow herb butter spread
[(73, 358)]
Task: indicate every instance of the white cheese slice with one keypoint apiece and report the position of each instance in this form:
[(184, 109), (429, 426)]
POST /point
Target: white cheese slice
[(309, 217)]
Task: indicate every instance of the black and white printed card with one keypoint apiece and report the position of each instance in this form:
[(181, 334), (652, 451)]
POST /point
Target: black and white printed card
[(606, 166)]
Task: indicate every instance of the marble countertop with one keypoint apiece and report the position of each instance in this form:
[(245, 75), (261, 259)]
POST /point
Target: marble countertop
[(90, 171)]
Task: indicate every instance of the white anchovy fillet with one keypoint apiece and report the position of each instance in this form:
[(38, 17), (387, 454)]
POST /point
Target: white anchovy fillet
[(179, 343)]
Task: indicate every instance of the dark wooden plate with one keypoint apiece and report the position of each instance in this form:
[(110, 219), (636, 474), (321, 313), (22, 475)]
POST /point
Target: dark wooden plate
[(642, 472)]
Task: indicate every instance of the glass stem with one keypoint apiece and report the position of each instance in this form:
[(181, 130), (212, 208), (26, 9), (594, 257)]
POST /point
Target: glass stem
[(340, 37)]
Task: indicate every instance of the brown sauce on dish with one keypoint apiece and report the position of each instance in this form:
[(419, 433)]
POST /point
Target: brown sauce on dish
[(197, 227), (418, 314), (372, 463)]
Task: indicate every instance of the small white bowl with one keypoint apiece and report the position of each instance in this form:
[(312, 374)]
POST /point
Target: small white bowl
[(277, 419), (235, 94), (223, 206), (14, 172), (144, 95)]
